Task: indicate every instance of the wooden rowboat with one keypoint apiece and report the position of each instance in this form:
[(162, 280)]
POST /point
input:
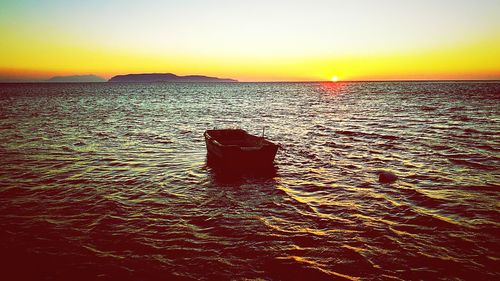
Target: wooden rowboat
[(238, 147)]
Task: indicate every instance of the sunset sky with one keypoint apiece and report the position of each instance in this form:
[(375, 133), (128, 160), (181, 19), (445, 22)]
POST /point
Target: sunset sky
[(252, 40)]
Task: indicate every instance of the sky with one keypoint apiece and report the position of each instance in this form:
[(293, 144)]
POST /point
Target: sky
[(256, 40)]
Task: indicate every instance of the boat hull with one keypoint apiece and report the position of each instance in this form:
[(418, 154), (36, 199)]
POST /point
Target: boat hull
[(261, 153)]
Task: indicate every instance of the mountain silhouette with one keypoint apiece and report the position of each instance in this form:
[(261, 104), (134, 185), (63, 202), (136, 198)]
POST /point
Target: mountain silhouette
[(166, 77), (75, 78)]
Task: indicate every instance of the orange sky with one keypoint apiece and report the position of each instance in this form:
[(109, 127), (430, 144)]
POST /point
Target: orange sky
[(256, 41)]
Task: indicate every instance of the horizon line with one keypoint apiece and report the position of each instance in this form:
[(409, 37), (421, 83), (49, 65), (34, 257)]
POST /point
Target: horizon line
[(276, 81)]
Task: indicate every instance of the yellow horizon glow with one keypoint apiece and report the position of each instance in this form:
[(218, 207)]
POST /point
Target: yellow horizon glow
[(472, 61)]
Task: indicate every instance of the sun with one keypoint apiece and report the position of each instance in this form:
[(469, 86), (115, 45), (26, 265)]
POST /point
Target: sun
[(335, 79)]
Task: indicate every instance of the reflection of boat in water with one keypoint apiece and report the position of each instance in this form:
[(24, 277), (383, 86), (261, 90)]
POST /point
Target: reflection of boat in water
[(222, 174), (236, 147)]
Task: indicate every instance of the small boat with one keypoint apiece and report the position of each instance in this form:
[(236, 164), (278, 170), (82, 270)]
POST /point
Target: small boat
[(238, 147)]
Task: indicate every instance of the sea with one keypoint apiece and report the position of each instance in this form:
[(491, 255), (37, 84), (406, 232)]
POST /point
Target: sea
[(110, 181)]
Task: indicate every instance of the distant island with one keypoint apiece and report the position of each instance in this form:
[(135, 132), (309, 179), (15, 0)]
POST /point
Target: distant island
[(75, 79), (166, 77)]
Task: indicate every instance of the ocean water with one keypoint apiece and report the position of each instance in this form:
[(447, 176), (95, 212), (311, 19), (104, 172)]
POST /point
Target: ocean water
[(110, 182)]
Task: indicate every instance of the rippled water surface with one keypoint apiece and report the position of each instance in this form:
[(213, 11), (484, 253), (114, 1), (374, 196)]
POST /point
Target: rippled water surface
[(110, 181)]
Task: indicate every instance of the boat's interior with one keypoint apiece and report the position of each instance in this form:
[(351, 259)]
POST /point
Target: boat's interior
[(236, 137)]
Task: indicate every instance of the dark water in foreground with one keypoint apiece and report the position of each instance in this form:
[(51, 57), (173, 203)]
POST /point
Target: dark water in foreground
[(102, 181)]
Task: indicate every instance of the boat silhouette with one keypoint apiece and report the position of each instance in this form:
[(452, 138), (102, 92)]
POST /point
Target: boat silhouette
[(238, 148)]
